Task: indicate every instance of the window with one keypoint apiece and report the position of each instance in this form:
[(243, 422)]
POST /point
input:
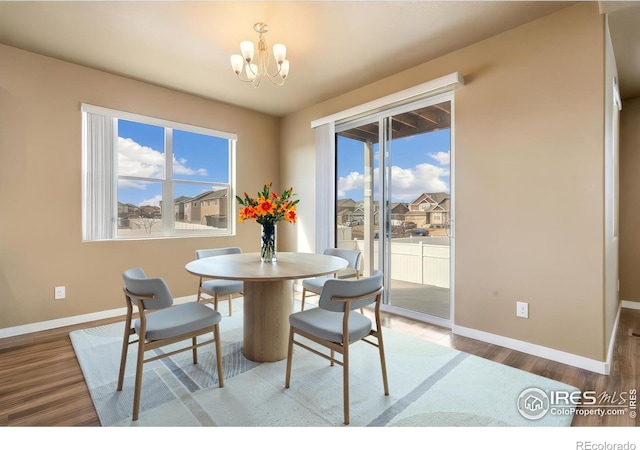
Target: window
[(151, 178)]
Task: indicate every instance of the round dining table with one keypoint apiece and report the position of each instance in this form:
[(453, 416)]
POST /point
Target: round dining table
[(268, 293)]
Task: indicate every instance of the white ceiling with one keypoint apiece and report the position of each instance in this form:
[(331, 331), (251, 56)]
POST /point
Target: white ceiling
[(333, 46)]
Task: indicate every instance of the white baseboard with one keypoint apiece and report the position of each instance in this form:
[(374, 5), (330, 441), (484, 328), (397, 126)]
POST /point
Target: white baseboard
[(601, 367), (593, 365), (74, 320), (612, 338), (630, 304)]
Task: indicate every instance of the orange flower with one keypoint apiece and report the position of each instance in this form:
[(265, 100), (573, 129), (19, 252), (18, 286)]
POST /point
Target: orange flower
[(268, 207), (265, 206), (248, 212), (290, 215), (283, 207)]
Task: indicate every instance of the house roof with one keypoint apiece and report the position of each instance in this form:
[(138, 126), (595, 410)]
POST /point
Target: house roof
[(181, 199), (209, 195)]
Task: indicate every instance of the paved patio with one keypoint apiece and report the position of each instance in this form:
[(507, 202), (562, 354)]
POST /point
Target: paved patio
[(421, 298)]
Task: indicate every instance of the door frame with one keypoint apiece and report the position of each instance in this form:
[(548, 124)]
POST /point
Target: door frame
[(441, 89)]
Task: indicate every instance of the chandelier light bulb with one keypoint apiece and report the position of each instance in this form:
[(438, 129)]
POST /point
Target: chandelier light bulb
[(284, 69), (246, 47), (280, 53), (252, 71), (236, 63), (253, 64)]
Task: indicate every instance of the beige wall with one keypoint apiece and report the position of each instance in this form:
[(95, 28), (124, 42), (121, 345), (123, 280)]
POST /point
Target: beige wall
[(40, 187), (629, 203), (529, 146)]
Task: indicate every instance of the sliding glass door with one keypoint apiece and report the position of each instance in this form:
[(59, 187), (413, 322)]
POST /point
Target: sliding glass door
[(394, 202)]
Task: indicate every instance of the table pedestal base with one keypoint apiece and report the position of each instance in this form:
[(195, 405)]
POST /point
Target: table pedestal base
[(267, 306)]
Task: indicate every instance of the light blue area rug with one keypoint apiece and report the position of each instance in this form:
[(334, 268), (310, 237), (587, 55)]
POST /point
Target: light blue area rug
[(430, 385)]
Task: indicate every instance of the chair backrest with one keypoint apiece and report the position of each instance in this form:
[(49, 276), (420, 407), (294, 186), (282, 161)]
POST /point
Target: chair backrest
[(344, 288), (205, 253), (136, 282), (354, 257)]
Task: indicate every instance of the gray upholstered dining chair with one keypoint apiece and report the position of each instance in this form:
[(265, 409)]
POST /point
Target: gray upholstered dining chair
[(336, 325), (214, 289), (162, 323), (313, 286)]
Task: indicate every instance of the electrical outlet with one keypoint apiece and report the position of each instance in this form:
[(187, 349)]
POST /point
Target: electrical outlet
[(59, 292), (522, 309)]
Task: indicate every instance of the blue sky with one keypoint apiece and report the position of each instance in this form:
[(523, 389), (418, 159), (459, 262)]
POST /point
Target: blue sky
[(197, 157), (419, 163)]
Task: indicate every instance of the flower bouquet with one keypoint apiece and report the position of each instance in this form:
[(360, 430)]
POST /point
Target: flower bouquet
[(268, 208)]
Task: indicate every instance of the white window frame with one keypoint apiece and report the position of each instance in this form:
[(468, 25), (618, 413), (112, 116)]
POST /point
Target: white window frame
[(94, 174), (325, 144)]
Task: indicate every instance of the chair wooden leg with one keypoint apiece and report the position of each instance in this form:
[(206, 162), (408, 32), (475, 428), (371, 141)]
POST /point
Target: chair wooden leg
[(215, 302), (194, 351), (345, 381), (378, 335), (289, 358), (138, 383), (216, 336), (199, 291), (125, 347), (383, 363), (304, 294), (230, 305)]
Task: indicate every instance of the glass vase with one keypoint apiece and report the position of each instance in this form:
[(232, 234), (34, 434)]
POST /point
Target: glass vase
[(268, 244)]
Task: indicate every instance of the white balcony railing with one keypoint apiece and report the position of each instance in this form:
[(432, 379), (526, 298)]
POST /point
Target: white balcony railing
[(414, 262)]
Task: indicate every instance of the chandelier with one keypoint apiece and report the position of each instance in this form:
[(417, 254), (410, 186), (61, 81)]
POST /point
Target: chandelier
[(250, 69)]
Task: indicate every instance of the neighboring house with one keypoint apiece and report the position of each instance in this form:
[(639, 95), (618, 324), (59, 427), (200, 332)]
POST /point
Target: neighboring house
[(355, 215), (150, 211), (344, 216), (350, 212), (345, 208), (178, 207), (346, 203), (429, 210), (127, 210), (209, 208), (399, 211), (124, 209)]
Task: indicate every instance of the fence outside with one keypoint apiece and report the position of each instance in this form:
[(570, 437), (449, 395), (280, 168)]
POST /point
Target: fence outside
[(414, 262)]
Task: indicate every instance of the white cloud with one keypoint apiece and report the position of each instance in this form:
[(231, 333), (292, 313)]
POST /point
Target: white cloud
[(153, 201), (442, 157), (139, 161), (122, 184), (353, 181), (407, 184), (180, 168)]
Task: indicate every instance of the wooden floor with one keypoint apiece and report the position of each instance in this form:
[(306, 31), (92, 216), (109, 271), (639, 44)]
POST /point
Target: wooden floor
[(41, 383)]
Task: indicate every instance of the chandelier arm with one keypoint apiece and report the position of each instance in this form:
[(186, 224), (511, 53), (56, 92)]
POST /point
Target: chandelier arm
[(240, 78)]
